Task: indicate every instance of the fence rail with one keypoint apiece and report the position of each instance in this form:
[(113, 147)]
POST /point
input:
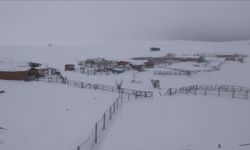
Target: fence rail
[(79, 84), (178, 71), (101, 126), (216, 90), (108, 116), (185, 73)]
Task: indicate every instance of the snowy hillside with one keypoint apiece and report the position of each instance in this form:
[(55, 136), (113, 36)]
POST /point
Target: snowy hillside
[(181, 123), (46, 116)]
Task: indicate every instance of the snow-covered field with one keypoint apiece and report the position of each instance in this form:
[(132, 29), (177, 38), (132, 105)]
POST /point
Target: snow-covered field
[(181, 123), (48, 116), (53, 116)]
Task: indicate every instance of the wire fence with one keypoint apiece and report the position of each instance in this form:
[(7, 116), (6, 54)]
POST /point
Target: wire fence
[(178, 71), (108, 116), (184, 73), (79, 84), (102, 125), (212, 90)]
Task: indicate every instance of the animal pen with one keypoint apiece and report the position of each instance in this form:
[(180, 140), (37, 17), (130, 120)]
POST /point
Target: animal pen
[(231, 91), (79, 84), (103, 124)]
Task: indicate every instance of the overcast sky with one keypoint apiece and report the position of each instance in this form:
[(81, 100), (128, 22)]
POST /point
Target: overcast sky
[(84, 22)]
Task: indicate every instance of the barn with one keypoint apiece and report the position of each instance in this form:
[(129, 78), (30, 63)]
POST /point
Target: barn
[(19, 74), (69, 67), (232, 57), (11, 70), (137, 65)]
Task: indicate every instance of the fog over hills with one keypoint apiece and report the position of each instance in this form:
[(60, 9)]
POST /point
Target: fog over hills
[(85, 22)]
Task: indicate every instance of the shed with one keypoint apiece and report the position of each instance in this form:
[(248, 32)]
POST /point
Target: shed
[(149, 64), (190, 58), (11, 70), (69, 67), (137, 65), (117, 70), (122, 63), (13, 75), (19, 75), (155, 49)]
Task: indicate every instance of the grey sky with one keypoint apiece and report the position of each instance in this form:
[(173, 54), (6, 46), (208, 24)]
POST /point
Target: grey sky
[(78, 23)]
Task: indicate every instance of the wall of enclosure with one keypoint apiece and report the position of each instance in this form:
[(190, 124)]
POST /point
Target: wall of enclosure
[(79, 84), (231, 91)]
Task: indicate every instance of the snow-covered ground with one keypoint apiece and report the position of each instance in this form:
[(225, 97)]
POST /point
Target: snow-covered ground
[(53, 116), (48, 116), (181, 123)]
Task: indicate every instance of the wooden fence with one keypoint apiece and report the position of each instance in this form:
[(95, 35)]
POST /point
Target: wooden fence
[(177, 71), (79, 84), (215, 90), (185, 73), (101, 126)]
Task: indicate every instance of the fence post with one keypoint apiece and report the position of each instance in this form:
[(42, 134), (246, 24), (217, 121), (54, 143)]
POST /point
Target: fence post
[(195, 90), (205, 92), (121, 97), (82, 85), (114, 107), (104, 121), (110, 113), (247, 94), (219, 92), (95, 132), (128, 96), (170, 91), (117, 102), (233, 93), (78, 147)]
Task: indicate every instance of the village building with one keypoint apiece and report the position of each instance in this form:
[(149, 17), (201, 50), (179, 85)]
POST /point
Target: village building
[(170, 58), (189, 58), (138, 65), (101, 65), (69, 67), (232, 57), (19, 74), (48, 71), (149, 64), (155, 49), (10, 70)]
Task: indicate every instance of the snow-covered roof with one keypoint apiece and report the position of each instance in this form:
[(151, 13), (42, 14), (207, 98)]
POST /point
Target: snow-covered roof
[(187, 56), (138, 62), (11, 65)]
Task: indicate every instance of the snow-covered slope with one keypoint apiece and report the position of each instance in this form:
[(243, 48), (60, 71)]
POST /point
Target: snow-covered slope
[(46, 116), (181, 123), (59, 55), (51, 116)]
